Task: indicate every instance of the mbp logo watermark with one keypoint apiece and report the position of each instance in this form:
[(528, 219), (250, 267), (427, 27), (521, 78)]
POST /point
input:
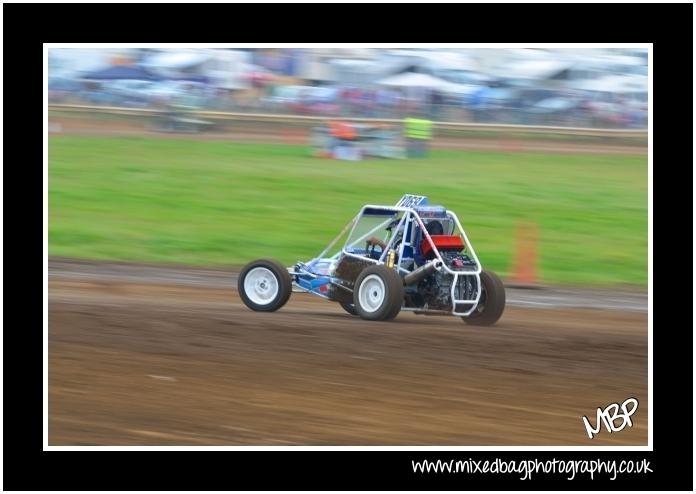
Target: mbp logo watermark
[(610, 415)]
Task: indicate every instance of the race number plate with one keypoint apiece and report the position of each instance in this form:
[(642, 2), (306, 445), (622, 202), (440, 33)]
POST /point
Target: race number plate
[(410, 201)]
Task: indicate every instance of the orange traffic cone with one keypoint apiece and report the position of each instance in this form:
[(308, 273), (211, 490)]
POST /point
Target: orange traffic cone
[(524, 271)]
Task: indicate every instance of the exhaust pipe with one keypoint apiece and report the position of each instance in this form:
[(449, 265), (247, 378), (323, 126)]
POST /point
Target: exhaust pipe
[(422, 272)]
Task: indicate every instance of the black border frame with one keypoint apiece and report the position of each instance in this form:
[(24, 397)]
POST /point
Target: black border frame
[(27, 26)]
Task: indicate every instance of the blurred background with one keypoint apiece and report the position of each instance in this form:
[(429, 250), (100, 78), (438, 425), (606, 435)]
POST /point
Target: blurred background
[(211, 156), (605, 88)]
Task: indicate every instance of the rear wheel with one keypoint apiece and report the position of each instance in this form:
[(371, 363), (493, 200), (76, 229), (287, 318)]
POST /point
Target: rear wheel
[(264, 285), (378, 293), (491, 303)]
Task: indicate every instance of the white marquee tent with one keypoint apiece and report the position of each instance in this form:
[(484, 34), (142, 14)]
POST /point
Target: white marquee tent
[(424, 81)]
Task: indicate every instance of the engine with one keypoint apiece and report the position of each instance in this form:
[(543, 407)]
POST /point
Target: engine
[(436, 290)]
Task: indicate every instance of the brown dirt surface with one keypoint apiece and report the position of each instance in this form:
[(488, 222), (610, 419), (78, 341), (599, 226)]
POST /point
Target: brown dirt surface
[(163, 364), (240, 133)]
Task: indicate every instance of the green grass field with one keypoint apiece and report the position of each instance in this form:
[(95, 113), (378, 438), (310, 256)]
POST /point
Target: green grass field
[(216, 203)]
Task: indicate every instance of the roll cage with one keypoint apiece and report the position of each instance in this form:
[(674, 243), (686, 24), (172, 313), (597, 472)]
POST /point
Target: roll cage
[(405, 240)]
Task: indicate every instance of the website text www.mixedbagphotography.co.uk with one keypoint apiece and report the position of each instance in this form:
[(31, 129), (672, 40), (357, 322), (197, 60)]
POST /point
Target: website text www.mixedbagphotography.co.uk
[(527, 468)]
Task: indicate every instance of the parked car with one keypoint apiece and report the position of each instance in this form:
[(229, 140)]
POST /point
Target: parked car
[(129, 92), (60, 89), (281, 97), (169, 91), (315, 101), (303, 100)]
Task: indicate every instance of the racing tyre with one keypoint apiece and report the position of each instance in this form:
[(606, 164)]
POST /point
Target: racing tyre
[(378, 294), (264, 285), (349, 308), (492, 302)]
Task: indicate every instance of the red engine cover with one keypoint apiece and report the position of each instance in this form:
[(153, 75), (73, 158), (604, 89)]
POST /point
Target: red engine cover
[(442, 242)]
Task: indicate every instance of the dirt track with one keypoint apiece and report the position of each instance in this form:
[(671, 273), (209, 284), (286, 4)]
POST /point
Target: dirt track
[(86, 126), (171, 364)]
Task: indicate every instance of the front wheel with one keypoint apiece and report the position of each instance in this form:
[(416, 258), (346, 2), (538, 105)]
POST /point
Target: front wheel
[(491, 303), (264, 285)]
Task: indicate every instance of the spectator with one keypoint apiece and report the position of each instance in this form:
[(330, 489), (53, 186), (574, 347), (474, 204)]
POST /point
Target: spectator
[(418, 132)]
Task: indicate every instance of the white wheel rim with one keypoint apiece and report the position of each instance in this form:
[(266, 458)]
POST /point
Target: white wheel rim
[(261, 286), (371, 293)]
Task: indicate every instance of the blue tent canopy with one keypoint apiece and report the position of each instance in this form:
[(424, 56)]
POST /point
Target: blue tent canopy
[(122, 72)]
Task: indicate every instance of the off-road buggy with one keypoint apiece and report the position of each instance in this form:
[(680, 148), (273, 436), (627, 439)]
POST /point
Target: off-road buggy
[(411, 256)]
